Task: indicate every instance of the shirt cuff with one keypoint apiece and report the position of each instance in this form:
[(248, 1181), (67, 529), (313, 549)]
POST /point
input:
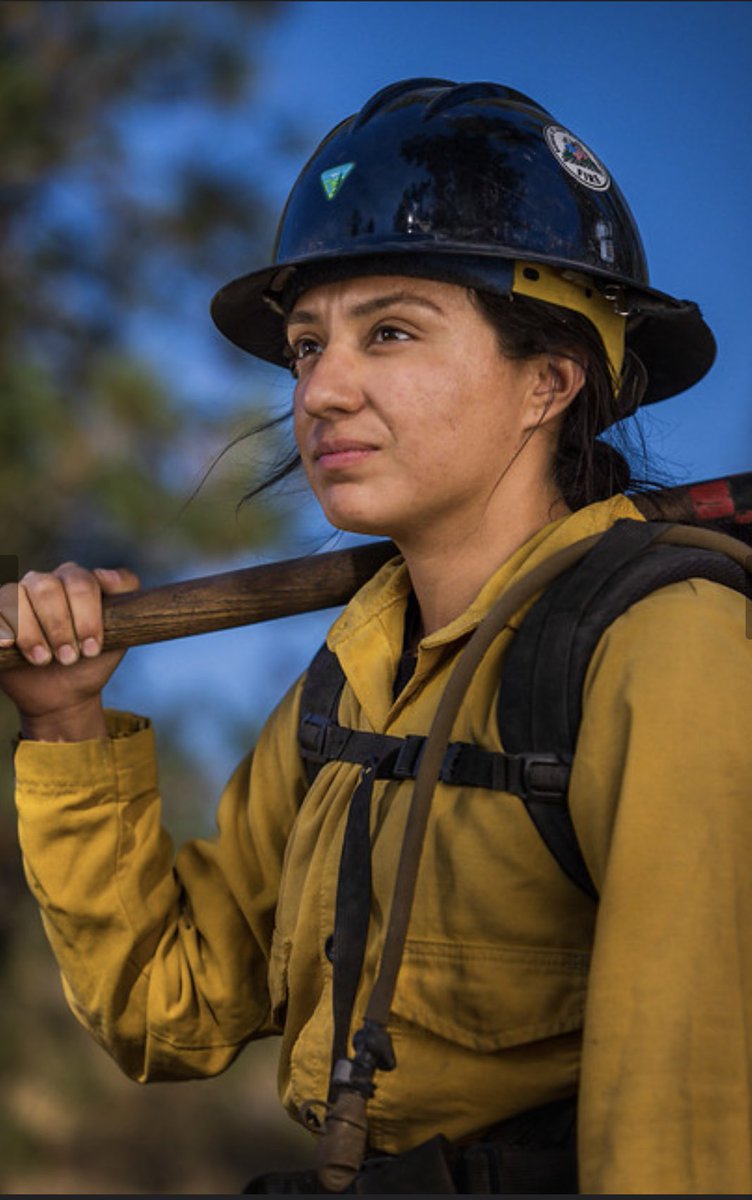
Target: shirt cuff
[(125, 758)]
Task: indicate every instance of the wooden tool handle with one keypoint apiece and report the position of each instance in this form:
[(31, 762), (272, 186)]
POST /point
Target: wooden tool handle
[(233, 598), (318, 581)]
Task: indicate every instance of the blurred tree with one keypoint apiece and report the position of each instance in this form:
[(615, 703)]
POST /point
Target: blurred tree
[(119, 206), (122, 208)]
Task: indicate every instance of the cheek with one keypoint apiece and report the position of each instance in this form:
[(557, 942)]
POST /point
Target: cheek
[(460, 424), (300, 421)]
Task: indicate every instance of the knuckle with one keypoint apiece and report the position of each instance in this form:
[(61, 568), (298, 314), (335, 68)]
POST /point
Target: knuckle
[(41, 583), (70, 571)]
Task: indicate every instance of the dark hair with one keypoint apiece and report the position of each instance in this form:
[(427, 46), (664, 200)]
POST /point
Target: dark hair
[(586, 468)]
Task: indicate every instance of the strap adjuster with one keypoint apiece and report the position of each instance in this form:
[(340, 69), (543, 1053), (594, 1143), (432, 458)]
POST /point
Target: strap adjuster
[(408, 757), (451, 766), (312, 735), (544, 777)]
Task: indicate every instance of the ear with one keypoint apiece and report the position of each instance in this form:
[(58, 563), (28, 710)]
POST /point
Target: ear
[(555, 380)]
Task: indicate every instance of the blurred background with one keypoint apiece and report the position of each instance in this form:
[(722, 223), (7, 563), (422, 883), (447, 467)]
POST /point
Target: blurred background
[(146, 149)]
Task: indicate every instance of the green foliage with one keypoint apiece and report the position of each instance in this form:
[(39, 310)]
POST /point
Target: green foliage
[(121, 212), (99, 240)]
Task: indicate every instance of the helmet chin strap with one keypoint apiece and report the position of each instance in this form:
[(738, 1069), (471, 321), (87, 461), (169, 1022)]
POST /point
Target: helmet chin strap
[(576, 291)]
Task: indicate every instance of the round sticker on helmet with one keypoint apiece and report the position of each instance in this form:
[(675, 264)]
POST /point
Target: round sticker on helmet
[(575, 158)]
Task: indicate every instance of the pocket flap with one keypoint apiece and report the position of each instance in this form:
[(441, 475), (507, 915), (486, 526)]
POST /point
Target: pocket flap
[(489, 997)]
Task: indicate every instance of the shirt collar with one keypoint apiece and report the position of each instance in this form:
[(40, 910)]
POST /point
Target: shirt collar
[(384, 596)]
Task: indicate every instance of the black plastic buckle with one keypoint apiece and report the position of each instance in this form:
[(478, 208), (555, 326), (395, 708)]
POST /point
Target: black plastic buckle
[(312, 736), (408, 757), (450, 765), (545, 777)]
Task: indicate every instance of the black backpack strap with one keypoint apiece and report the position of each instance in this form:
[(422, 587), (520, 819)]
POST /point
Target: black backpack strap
[(540, 695), (540, 698), (321, 739), (319, 701)]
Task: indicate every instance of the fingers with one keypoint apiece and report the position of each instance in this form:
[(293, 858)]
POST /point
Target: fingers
[(58, 614)]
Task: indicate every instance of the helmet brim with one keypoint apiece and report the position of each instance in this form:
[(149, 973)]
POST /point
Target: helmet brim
[(669, 337)]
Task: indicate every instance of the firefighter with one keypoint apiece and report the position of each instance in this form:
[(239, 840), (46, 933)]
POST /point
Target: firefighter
[(460, 291)]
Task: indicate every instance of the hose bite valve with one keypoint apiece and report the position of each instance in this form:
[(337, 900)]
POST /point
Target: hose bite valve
[(342, 1145)]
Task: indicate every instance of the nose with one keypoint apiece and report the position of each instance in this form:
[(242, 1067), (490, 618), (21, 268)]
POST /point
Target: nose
[(331, 384)]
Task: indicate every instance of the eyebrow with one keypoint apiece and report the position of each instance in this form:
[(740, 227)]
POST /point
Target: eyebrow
[(367, 307)]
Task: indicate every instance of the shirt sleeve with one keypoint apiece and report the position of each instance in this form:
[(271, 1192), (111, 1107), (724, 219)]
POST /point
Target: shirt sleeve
[(163, 957), (661, 801)]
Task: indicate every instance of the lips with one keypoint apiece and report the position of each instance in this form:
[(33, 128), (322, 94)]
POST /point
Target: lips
[(336, 453)]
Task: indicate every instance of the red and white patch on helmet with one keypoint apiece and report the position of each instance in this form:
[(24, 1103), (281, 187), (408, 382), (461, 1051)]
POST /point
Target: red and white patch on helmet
[(574, 157)]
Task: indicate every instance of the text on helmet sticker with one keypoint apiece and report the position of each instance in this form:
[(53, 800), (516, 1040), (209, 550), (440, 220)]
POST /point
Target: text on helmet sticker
[(575, 158), (332, 180)]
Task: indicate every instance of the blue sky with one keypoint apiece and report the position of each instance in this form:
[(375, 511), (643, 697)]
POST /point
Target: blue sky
[(662, 92)]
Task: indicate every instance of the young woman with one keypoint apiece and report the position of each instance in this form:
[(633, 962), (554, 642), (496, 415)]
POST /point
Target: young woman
[(461, 292)]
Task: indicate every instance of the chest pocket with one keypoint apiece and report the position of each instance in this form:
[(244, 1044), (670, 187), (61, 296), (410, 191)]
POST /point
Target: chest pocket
[(487, 997)]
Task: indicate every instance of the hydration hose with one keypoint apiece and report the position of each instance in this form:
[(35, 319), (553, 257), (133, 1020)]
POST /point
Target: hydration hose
[(342, 1144)]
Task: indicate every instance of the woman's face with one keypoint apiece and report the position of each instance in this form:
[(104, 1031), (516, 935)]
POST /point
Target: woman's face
[(406, 412)]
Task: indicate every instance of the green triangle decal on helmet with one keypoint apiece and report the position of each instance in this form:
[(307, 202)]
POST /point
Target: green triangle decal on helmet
[(333, 179)]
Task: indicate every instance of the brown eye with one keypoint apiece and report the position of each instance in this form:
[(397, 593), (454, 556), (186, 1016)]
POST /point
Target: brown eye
[(305, 346), (302, 349), (390, 333)]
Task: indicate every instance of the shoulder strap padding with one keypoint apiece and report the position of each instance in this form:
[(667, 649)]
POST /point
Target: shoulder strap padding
[(540, 698), (320, 696), (540, 694)]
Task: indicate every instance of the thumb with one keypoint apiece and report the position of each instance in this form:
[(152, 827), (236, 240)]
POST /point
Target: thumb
[(116, 579)]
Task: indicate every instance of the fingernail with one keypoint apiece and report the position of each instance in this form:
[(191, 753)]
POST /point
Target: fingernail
[(90, 647), (40, 655), (66, 655)]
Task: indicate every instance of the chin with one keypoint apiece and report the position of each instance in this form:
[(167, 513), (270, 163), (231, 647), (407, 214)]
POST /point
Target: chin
[(369, 528), (366, 523)]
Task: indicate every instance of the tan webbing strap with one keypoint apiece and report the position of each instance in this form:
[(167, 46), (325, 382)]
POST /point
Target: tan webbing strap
[(342, 1144)]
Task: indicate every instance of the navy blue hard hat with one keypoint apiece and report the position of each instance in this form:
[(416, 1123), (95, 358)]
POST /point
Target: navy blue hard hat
[(462, 183)]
